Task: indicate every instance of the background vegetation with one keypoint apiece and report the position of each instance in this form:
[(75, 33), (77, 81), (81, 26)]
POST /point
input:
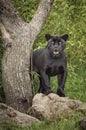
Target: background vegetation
[(67, 16)]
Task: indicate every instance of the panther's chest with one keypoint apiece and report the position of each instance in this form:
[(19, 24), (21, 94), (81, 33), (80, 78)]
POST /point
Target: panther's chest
[(53, 68)]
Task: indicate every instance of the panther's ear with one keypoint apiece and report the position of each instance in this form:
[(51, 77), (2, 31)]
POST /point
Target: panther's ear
[(48, 36), (65, 37)]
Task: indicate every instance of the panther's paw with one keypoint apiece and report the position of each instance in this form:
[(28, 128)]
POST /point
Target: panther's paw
[(47, 91), (60, 92)]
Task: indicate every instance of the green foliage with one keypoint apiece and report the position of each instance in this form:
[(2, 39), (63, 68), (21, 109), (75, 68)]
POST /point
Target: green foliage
[(9, 126), (67, 16), (35, 82), (70, 123), (26, 8)]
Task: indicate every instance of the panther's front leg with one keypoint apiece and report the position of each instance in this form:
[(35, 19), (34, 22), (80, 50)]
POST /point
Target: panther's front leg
[(44, 83), (61, 84)]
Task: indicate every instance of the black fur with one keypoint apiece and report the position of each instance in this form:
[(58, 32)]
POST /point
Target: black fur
[(51, 61)]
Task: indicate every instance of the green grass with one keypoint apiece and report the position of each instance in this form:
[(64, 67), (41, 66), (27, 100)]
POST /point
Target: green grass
[(76, 83), (69, 17), (70, 123), (75, 86)]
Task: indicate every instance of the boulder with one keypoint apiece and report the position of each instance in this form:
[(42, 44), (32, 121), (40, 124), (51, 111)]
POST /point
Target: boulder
[(9, 114), (53, 107), (82, 123)]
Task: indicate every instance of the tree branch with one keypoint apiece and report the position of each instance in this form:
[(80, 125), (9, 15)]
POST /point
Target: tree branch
[(11, 19), (7, 41), (16, 59), (7, 10), (40, 17)]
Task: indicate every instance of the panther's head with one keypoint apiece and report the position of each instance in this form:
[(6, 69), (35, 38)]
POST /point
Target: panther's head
[(56, 44)]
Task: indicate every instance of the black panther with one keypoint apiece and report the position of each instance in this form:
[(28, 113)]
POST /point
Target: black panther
[(51, 61)]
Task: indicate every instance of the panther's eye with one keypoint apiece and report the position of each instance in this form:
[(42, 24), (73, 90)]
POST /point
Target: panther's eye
[(60, 42), (53, 42)]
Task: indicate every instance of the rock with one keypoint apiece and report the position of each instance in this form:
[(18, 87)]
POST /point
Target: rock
[(82, 123), (54, 107), (9, 114)]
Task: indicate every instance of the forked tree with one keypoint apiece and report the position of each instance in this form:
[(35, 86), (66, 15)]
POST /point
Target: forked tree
[(18, 38)]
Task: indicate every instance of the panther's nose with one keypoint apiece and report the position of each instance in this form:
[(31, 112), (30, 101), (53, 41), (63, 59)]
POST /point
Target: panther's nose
[(56, 45)]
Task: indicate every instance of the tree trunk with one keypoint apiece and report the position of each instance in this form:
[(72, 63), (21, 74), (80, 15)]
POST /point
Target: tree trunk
[(18, 38)]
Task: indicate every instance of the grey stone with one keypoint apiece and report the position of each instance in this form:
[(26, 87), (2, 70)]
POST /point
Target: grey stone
[(53, 107), (9, 114), (82, 123)]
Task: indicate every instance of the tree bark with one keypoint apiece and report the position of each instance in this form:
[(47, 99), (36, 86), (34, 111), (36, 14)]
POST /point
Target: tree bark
[(18, 38)]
